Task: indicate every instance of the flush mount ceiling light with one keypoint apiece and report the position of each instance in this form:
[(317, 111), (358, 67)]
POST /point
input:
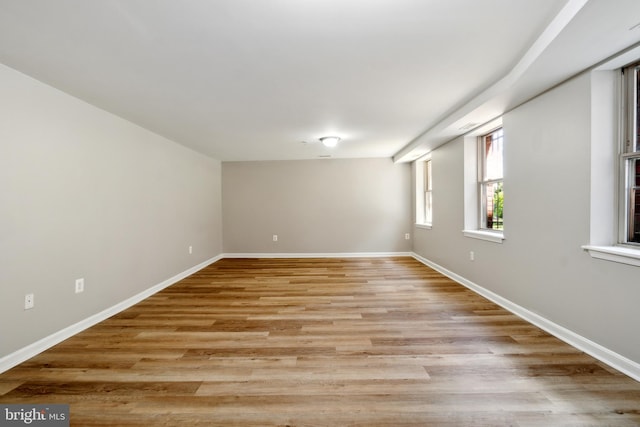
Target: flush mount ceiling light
[(330, 141)]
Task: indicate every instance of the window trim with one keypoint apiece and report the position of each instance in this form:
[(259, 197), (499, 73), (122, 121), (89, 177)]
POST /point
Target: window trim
[(471, 187), (627, 210), (628, 151), (421, 192), (495, 236), (620, 254), (428, 192), (609, 128), (483, 182)]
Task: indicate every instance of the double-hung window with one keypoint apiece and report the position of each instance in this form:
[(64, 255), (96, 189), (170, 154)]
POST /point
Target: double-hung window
[(610, 127), (491, 181), (630, 161), (424, 198), (428, 198)]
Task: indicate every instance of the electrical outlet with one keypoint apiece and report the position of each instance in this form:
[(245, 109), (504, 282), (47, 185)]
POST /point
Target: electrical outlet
[(29, 301), (275, 237), (79, 285), (407, 236), (190, 249), (472, 256)]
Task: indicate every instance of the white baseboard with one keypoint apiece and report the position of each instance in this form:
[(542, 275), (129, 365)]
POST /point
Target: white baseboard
[(318, 255), (9, 361), (611, 358), (39, 346)]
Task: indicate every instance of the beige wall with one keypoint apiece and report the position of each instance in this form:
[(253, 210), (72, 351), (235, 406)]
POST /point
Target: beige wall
[(87, 194), (316, 206), (541, 266)]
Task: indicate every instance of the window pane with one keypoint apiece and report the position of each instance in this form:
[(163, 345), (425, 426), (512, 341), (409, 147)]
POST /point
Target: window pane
[(493, 155), (493, 205), (634, 201), (427, 192), (637, 103)]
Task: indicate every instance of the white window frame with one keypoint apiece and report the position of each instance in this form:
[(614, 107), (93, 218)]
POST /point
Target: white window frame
[(472, 207), (609, 127), (484, 182), (428, 192), (629, 152), (424, 192)]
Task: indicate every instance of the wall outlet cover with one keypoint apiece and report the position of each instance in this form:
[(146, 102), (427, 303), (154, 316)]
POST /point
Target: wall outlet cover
[(29, 301), (79, 285)]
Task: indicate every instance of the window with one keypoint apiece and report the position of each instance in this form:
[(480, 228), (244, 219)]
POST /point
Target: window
[(424, 187), (614, 142), (630, 160), (483, 183), (428, 199), (490, 181)]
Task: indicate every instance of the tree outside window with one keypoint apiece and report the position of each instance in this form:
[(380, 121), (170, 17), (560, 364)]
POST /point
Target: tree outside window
[(491, 180)]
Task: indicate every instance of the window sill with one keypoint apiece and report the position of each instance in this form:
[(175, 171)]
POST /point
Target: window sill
[(489, 236), (621, 254), (425, 226)]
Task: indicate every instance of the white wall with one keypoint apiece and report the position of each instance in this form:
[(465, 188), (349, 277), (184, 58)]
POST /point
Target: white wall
[(87, 194), (316, 206), (540, 265)]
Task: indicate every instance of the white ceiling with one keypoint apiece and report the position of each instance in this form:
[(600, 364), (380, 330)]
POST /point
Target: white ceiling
[(252, 79)]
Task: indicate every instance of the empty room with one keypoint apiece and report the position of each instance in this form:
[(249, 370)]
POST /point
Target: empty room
[(320, 212)]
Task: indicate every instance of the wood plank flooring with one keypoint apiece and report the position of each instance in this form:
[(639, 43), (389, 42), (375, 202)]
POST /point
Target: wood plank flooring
[(322, 342)]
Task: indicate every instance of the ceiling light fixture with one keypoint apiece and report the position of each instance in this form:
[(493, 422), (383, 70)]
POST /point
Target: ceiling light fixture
[(330, 141)]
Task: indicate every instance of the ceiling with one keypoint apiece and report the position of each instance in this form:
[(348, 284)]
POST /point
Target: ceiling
[(264, 79)]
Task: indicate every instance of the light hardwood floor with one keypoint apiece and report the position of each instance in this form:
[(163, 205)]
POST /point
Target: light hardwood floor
[(327, 342)]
